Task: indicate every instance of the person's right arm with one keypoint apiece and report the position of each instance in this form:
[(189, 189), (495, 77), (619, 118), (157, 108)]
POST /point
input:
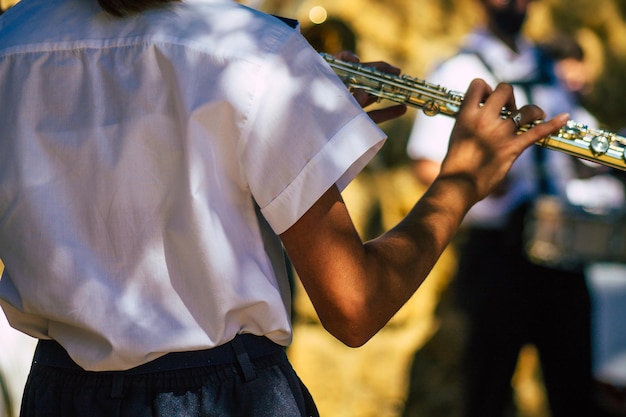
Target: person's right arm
[(357, 287)]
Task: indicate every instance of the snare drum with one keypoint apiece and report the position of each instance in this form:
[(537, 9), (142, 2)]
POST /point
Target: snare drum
[(561, 235)]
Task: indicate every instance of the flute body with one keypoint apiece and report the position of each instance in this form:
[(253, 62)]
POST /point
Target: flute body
[(576, 139)]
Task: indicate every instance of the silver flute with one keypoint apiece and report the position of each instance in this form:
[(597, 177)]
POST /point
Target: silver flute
[(576, 139)]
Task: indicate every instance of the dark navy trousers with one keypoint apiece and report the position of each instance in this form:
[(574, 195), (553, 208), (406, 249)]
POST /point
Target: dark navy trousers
[(250, 376)]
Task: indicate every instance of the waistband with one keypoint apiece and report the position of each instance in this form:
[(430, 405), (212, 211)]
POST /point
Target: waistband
[(51, 353)]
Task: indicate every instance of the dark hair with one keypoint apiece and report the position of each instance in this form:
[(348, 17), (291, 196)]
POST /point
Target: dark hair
[(126, 7)]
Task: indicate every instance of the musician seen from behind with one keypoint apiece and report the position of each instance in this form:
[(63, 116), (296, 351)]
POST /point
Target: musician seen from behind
[(509, 301), (152, 155)]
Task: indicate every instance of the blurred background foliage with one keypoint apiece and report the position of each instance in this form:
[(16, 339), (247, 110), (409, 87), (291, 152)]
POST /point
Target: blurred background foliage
[(415, 35)]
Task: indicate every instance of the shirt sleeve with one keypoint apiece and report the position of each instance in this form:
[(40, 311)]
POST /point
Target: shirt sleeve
[(307, 133)]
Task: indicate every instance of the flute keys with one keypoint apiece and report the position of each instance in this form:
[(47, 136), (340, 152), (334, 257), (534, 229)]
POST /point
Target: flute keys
[(573, 130), (574, 138), (430, 108), (599, 145)]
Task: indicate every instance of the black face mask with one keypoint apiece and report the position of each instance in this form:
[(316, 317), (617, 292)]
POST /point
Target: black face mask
[(508, 20)]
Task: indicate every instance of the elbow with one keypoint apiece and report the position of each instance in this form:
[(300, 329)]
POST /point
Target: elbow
[(350, 337), (355, 341), (352, 331)]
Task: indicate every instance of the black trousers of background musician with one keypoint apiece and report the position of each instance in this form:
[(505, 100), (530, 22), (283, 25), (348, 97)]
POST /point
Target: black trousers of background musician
[(510, 302)]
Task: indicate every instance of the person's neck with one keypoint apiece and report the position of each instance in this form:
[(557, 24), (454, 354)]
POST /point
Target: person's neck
[(508, 39)]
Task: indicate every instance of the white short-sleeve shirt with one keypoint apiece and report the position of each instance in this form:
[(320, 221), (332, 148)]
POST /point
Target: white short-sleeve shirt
[(133, 155)]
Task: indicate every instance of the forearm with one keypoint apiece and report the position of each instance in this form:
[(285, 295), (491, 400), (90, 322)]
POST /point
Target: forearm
[(356, 288), (399, 261), (415, 244)]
